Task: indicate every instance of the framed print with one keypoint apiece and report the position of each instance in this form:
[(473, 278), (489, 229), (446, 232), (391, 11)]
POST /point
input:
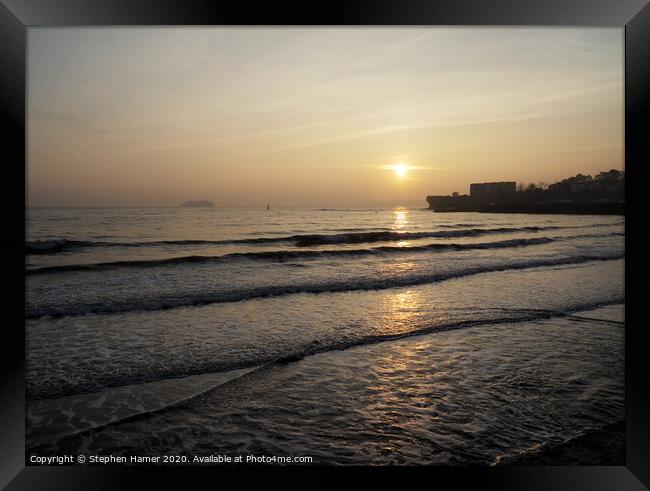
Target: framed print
[(385, 238)]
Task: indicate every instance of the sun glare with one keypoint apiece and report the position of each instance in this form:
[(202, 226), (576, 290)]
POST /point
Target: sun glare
[(401, 169)]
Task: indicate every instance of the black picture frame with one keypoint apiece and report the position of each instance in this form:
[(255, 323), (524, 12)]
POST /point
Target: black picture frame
[(16, 16)]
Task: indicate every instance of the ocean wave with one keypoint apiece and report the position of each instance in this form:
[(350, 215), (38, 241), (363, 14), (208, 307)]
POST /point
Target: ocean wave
[(259, 363), (58, 245), (308, 240), (205, 298), (54, 246), (284, 255), (295, 255), (118, 403), (365, 237), (525, 316), (300, 240)]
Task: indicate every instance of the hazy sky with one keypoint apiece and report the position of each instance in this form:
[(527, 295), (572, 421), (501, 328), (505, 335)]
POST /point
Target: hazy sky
[(315, 117)]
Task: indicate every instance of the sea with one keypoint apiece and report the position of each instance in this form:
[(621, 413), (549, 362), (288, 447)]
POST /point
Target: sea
[(344, 336)]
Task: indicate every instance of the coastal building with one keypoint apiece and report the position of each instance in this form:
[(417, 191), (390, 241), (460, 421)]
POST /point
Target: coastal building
[(487, 191), (610, 184), (602, 195)]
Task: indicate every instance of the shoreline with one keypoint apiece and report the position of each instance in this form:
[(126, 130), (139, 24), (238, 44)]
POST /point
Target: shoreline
[(576, 208), (95, 412)]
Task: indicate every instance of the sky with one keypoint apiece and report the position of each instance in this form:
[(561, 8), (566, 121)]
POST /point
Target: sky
[(315, 117)]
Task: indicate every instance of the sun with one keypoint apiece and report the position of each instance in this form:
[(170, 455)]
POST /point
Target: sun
[(401, 169)]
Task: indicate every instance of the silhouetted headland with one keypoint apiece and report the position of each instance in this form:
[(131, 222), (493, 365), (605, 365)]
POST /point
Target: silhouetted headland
[(202, 203), (580, 195)]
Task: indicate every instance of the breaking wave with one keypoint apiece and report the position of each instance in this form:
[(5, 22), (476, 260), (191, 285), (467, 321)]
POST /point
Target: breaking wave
[(264, 360), (236, 295), (301, 240), (283, 256)]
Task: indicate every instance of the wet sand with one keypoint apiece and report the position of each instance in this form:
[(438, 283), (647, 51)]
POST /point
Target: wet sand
[(601, 447)]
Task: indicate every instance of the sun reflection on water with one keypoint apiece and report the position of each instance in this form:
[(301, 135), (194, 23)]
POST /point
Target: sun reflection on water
[(403, 309), (400, 218), (397, 268)]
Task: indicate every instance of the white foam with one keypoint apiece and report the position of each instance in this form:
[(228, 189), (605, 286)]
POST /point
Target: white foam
[(96, 409)]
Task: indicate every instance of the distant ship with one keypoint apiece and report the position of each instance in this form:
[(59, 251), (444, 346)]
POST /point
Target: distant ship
[(202, 203)]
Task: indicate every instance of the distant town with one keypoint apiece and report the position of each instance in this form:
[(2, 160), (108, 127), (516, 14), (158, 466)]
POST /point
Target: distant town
[(603, 194)]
